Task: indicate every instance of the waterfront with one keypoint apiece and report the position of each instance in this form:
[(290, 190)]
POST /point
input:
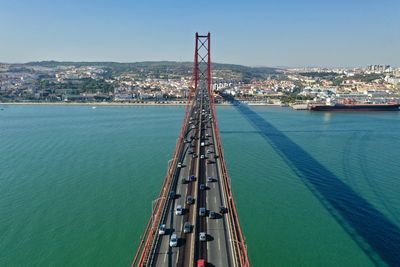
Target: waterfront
[(77, 183)]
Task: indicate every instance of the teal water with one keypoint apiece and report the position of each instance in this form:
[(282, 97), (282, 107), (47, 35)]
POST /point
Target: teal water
[(76, 183)]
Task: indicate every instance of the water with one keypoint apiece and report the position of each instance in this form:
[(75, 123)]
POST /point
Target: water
[(76, 183)]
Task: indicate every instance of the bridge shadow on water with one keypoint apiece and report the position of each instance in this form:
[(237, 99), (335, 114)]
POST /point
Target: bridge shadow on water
[(374, 233)]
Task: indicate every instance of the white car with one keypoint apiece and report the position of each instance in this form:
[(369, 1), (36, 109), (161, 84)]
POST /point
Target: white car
[(173, 242), (162, 229), (203, 236), (179, 210)]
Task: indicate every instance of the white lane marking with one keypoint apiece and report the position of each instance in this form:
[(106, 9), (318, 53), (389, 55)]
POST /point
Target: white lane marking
[(177, 257), (215, 201), (219, 244)]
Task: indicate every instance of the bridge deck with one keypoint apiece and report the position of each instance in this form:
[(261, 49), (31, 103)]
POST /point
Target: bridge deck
[(217, 249), (198, 153)]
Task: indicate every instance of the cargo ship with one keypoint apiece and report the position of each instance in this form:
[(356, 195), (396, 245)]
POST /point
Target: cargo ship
[(356, 107)]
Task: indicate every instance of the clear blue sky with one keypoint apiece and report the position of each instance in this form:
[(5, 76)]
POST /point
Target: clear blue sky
[(255, 33)]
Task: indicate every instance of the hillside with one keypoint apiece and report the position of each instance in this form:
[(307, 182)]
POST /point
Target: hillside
[(166, 68)]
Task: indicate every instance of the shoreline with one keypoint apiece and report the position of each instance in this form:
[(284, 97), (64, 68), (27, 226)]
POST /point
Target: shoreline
[(92, 104), (104, 104)]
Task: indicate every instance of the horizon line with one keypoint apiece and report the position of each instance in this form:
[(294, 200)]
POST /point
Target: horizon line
[(175, 61)]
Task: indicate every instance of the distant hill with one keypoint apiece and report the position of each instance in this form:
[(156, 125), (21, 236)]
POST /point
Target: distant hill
[(164, 67)]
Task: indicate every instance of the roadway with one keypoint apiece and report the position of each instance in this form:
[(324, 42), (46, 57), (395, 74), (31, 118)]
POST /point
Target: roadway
[(217, 250)]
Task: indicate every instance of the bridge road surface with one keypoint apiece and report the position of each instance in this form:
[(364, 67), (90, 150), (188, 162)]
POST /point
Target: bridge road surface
[(217, 250)]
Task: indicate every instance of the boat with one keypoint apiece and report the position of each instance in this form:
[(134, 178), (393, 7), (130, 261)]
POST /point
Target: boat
[(356, 107), (300, 106)]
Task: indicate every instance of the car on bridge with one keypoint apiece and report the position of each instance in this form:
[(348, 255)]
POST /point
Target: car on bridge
[(179, 210), (163, 229), (203, 236), (189, 200), (203, 187), (202, 211), (212, 215), (201, 263), (187, 228), (173, 242)]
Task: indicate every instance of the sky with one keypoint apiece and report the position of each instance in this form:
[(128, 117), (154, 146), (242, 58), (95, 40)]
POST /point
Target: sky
[(289, 33)]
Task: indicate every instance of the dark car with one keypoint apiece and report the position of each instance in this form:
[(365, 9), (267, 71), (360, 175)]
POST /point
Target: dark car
[(187, 227), (202, 211), (189, 200), (212, 215)]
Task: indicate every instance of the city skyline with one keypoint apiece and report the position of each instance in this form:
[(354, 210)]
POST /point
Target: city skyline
[(254, 34)]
